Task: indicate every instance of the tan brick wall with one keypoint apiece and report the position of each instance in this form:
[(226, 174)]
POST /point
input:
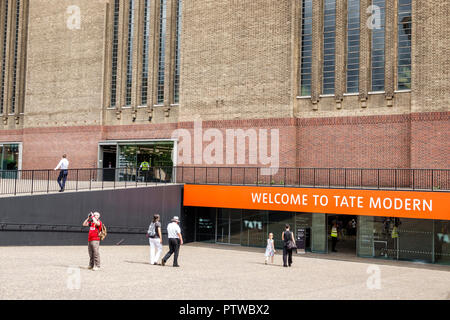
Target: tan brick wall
[(236, 59), (64, 67), (430, 56)]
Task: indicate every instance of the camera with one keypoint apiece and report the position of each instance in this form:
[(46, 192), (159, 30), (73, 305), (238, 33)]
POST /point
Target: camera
[(90, 217)]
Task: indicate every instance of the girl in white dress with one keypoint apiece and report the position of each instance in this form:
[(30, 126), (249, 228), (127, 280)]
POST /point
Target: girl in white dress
[(270, 249)]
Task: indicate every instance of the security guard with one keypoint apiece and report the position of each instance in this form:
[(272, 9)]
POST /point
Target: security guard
[(144, 167), (334, 235)]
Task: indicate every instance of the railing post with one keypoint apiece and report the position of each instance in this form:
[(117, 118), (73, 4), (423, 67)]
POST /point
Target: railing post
[(413, 183), (48, 179), (329, 177), (314, 177), (194, 175), (32, 181), (285, 176), (76, 186), (231, 176), (15, 183), (206, 175), (243, 182), (361, 179), (395, 179), (378, 178), (432, 179), (257, 176), (345, 178), (90, 179)]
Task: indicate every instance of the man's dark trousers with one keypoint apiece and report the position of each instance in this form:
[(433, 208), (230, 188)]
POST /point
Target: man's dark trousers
[(62, 176), (174, 247)]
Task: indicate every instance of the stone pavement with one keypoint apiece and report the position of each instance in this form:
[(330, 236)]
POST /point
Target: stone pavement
[(209, 272)]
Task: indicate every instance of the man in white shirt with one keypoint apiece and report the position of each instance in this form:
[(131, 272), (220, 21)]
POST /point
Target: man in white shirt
[(175, 240), (63, 165)]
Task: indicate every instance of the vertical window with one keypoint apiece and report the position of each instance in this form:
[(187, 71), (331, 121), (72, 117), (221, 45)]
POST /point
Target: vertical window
[(130, 54), (329, 44), (404, 45), (115, 49), (144, 89), (162, 49), (176, 81), (14, 71), (378, 46), (5, 36), (306, 62), (353, 37)]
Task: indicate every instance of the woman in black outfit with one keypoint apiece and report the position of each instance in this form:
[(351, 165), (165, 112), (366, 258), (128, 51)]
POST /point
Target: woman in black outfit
[(287, 236)]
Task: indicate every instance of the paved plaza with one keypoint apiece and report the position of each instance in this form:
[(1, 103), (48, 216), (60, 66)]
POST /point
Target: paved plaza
[(210, 272)]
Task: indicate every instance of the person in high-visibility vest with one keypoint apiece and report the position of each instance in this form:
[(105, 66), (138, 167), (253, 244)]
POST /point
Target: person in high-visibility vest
[(144, 167), (334, 236)]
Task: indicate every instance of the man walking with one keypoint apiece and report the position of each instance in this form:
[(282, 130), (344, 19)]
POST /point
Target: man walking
[(95, 226), (63, 165), (175, 240)]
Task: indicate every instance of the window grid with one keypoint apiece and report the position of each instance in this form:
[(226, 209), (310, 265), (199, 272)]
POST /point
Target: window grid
[(16, 45), (144, 89), (329, 44), (306, 62), (353, 46), (162, 49), (378, 48), (129, 85), (5, 35), (404, 45), (176, 81), (115, 50)]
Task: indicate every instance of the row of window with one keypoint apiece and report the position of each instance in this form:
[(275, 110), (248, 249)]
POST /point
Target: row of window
[(377, 25), (147, 34), (10, 60)]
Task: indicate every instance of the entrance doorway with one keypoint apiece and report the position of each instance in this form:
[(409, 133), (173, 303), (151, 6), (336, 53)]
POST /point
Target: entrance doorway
[(109, 154), (346, 230)]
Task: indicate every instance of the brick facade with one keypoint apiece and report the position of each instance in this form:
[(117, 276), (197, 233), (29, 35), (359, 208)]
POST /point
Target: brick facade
[(240, 67)]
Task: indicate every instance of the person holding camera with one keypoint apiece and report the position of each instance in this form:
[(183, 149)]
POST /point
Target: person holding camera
[(95, 226)]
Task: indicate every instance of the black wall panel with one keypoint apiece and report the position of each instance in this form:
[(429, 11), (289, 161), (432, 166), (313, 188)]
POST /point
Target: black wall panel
[(55, 219)]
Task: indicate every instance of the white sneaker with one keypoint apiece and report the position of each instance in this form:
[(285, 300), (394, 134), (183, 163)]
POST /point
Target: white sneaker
[(95, 268)]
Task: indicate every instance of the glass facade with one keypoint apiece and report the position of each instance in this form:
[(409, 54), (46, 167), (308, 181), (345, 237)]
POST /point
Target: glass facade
[(306, 43), (329, 46), (378, 44), (4, 44), (419, 240), (16, 48), (176, 80), (157, 154), (129, 84), (247, 227), (115, 50), (353, 37), (162, 51), (145, 52), (404, 45), (9, 156)]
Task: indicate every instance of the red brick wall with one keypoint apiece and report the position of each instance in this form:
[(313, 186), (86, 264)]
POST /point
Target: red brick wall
[(430, 140), (354, 142), (396, 141)]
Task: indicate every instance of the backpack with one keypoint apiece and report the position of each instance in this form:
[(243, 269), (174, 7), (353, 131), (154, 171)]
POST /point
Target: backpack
[(102, 234), (152, 230)]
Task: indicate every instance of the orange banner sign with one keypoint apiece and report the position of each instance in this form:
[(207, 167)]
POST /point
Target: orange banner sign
[(401, 204)]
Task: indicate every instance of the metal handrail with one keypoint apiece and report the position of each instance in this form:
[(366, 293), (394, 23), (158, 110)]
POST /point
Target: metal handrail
[(14, 182)]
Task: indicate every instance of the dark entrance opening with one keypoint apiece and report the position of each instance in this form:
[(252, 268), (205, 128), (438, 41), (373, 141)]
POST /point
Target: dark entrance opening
[(109, 162), (346, 233)]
